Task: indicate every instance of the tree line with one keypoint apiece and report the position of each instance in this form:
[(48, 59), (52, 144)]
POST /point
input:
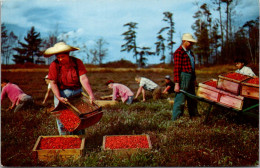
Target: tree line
[(220, 39), (31, 50)]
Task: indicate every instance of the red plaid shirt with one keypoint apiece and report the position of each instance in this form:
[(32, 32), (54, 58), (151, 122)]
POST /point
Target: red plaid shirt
[(181, 63)]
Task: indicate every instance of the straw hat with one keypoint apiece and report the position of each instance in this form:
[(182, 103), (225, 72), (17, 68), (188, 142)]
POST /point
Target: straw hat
[(60, 47), (188, 37)]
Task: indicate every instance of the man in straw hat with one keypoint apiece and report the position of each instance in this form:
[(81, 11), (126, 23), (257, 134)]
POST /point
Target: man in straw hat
[(184, 77), (66, 74)]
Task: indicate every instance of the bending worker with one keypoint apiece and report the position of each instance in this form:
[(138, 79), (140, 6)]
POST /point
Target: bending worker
[(67, 76)]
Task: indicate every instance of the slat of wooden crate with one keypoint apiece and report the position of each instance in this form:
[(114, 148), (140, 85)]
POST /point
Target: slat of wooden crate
[(105, 102), (208, 94), (130, 151), (249, 91), (63, 154), (229, 86), (230, 100)]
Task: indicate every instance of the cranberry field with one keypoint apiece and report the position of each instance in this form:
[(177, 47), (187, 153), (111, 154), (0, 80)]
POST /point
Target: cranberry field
[(227, 139)]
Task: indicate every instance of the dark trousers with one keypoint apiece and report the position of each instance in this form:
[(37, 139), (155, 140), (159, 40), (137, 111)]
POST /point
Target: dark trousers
[(187, 83)]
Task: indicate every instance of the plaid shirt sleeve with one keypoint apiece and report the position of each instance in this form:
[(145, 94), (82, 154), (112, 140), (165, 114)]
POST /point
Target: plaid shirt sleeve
[(181, 64)]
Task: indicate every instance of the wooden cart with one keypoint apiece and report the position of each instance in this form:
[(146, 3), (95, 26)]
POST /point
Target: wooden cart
[(214, 103)]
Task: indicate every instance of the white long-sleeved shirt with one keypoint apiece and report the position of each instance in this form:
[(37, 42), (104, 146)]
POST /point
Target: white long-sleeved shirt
[(245, 71)]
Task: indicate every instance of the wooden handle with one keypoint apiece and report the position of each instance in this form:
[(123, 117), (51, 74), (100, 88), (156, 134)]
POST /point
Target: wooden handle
[(84, 94), (73, 107), (105, 97)]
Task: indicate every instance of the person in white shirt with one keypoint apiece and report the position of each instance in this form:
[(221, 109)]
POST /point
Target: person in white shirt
[(48, 89), (147, 84), (242, 68)]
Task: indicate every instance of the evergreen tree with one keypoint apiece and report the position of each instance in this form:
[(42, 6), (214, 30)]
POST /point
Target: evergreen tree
[(160, 47), (130, 38), (202, 31), (144, 51), (168, 17), (29, 50)]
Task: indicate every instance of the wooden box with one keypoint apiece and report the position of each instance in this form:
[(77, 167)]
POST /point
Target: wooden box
[(229, 84), (127, 146), (209, 91), (49, 155), (105, 102), (250, 90), (231, 100), (89, 114)]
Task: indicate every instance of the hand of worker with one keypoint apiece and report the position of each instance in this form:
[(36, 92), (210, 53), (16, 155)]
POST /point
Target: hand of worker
[(177, 87), (92, 99), (63, 100)]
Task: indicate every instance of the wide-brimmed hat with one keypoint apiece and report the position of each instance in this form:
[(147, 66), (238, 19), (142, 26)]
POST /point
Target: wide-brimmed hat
[(60, 47), (188, 37)]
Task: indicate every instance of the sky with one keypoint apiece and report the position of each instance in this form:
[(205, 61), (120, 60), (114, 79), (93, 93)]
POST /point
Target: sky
[(86, 21)]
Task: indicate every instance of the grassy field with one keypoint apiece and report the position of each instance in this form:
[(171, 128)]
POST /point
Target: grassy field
[(228, 139)]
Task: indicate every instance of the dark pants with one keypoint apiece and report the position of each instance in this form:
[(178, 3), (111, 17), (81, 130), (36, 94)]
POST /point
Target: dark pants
[(187, 83)]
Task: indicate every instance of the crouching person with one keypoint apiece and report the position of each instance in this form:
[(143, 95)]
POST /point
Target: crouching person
[(149, 85), (120, 90), (15, 94)]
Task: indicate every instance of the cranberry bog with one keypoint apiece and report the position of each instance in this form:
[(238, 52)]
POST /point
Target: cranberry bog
[(228, 139)]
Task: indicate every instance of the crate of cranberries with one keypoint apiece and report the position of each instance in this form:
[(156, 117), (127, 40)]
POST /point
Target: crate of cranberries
[(49, 148), (209, 90), (231, 82), (250, 88), (126, 144)]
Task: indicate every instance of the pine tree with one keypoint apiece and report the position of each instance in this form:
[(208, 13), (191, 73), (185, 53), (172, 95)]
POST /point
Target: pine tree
[(160, 47), (168, 17), (29, 50), (130, 38)]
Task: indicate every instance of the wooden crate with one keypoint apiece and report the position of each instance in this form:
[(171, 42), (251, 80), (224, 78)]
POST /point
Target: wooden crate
[(129, 151), (229, 85), (105, 102), (249, 90), (49, 155), (208, 92), (231, 100)]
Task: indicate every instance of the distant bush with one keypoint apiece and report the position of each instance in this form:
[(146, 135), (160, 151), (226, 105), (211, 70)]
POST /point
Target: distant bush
[(120, 64), (27, 65), (161, 65)]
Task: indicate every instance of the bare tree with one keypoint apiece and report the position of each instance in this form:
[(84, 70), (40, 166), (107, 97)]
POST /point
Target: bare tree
[(99, 51)]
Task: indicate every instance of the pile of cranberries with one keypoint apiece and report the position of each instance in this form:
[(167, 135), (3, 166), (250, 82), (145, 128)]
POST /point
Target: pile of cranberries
[(60, 143), (126, 142)]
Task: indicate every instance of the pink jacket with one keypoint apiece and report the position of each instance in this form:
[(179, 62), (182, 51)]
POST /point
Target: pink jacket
[(13, 92), (120, 90)]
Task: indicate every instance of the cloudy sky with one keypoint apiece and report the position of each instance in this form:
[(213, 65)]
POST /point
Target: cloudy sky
[(85, 21)]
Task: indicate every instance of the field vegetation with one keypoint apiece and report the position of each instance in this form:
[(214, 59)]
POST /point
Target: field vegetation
[(227, 139)]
